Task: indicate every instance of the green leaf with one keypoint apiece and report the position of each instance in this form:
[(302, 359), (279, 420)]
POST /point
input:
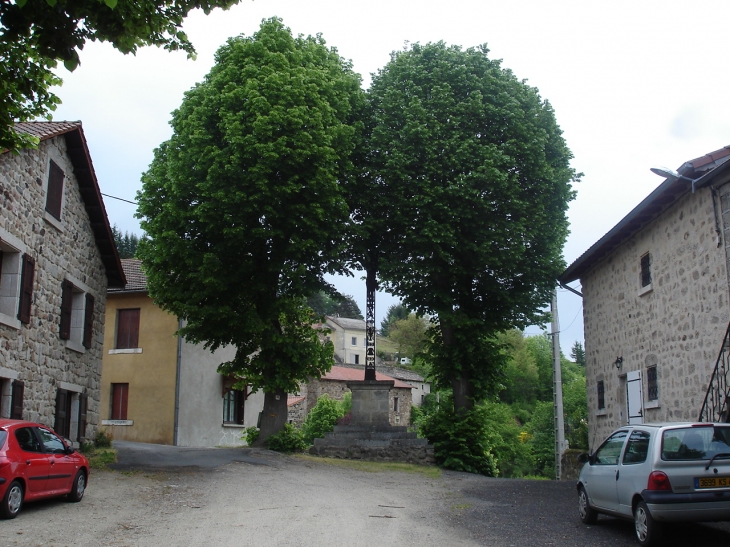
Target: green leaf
[(51, 3), (21, 3), (111, 3)]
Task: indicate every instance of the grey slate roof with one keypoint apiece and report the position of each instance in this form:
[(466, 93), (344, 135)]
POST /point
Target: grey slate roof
[(347, 323)]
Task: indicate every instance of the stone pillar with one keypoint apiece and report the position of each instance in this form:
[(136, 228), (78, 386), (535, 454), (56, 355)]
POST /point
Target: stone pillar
[(371, 403)]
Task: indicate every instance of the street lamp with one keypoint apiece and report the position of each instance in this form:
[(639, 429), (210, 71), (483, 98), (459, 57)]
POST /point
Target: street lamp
[(672, 174)]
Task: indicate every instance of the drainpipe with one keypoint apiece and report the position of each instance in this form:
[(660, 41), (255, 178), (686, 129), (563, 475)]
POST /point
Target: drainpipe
[(177, 383)]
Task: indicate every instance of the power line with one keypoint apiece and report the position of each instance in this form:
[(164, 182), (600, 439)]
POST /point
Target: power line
[(120, 199)]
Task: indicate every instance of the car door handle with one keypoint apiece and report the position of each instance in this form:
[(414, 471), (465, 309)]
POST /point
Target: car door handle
[(27, 462), (617, 473)]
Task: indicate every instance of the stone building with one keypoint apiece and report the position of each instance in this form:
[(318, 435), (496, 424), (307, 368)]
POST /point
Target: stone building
[(334, 384), (656, 301), (57, 257)]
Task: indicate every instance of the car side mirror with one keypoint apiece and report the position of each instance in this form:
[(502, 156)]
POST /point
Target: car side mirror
[(70, 449), (584, 458)]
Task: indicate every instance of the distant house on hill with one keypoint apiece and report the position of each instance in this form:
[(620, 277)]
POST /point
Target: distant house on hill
[(348, 337), (656, 304), (57, 258)]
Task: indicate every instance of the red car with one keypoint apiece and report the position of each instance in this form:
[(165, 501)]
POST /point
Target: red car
[(36, 463)]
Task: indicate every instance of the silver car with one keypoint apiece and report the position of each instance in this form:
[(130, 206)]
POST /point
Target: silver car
[(657, 473)]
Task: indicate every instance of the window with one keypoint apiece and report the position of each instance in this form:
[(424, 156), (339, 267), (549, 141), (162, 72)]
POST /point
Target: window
[(601, 395), (54, 196), (354, 340), (17, 271), (646, 270), (77, 315), (127, 329), (27, 440), (51, 442), (357, 359), (233, 406), (651, 384), (62, 423), (120, 393), (637, 448), (610, 450), (395, 404)]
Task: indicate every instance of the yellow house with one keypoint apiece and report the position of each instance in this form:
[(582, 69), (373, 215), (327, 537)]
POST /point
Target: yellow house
[(158, 388), (139, 366)]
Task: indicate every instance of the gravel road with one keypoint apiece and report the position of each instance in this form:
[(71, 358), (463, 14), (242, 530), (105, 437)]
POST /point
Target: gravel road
[(288, 501)]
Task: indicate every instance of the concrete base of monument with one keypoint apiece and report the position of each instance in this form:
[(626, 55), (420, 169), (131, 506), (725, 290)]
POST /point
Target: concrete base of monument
[(370, 435)]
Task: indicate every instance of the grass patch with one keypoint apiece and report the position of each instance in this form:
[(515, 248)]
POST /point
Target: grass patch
[(99, 458), (430, 471)]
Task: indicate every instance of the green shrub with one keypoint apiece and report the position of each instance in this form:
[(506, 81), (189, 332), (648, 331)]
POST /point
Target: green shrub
[(103, 439), (322, 418), (513, 454), (86, 447), (250, 434), (460, 441), (288, 439)]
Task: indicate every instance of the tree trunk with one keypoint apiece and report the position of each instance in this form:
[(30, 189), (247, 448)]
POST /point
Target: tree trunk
[(463, 393), (273, 416)]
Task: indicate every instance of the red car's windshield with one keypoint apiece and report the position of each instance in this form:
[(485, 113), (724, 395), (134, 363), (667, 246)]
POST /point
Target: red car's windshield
[(695, 443), (3, 436)]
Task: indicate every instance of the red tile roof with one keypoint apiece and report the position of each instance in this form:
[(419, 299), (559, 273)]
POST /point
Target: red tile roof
[(294, 399), (711, 159), (46, 130), (136, 278), (343, 374)]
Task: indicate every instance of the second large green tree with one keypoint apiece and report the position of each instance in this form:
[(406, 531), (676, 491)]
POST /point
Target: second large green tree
[(244, 207), (478, 179)]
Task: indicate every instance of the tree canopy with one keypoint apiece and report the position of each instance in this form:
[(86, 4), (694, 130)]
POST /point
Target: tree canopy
[(244, 209), (478, 179), (337, 305), (394, 313), (127, 243), (36, 34)]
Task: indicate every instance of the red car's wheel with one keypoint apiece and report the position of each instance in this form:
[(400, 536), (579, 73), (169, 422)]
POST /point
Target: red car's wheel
[(12, 501), (79, 487)]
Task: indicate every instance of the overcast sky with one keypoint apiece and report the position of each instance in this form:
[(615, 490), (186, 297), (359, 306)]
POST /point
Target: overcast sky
[(634, 84)]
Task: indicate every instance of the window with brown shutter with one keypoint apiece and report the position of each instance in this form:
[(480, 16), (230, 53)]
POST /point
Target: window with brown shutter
[(67, 293), (16, 404), (120, 393), (88, 320), (127, 328), (26, 292), (54, 197)]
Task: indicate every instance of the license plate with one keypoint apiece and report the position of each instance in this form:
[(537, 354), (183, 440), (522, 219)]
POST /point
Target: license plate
[(712, 482)]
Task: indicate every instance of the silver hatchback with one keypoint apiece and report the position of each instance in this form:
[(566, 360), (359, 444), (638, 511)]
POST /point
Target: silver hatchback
[(657, 473)]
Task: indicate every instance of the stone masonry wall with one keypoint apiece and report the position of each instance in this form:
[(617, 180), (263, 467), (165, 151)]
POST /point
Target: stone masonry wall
[(34, 351), (337, 389), (678, 325)]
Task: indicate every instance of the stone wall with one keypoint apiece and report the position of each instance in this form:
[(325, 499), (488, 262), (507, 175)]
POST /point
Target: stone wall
[(678, 325), (336, 390), (34, 352)]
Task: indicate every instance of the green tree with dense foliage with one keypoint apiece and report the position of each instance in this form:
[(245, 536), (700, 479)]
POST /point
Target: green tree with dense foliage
[(36, 34), (395, 312), (126, 242), (335, 304), (578, 354), (409, 335), (478, 178), (244, 209)]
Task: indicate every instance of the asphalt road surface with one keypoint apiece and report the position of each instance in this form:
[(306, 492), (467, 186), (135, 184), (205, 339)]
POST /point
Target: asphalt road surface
[(165, 496)]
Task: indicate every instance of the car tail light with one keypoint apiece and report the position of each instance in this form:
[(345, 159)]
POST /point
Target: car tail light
[(658, 481)]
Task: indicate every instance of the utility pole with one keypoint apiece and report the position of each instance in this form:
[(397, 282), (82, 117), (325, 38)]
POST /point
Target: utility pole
[(557, 387)]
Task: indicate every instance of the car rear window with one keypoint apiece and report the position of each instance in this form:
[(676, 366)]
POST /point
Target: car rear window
[(695, 443)]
